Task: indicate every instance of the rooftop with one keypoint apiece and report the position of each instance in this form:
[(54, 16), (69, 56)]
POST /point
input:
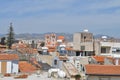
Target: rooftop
[(70, 69), (99, 58), (24, 66), (110, 70), (5, 56)]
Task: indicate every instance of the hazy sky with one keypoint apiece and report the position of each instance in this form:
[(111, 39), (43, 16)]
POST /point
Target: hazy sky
[(40, 16)]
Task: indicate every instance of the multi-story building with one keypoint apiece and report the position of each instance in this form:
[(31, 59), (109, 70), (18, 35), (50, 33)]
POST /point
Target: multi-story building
[(83, 43), (50, 40), (106, 47)]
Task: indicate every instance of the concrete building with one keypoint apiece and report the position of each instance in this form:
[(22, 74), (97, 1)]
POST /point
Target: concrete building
[(105, 47), (8, 63), (50, 40), (83, 43), (58, 61)]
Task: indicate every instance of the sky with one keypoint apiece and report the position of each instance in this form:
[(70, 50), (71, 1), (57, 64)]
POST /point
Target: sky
[(70, 16)]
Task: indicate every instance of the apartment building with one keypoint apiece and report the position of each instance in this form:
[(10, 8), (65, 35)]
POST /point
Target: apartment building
[(50, 40), (8, 63), (83, 43), (107, 47)]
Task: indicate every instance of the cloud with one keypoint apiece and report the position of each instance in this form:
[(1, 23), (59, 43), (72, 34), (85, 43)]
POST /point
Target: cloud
[(99, 16)]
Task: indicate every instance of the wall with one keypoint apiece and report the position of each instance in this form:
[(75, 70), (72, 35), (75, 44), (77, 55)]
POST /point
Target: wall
[(110, 44), (88, 46), (9, 66), (0, 66), (76, 41), (103, 78), (53, 64), (47, 58), (15, 66)]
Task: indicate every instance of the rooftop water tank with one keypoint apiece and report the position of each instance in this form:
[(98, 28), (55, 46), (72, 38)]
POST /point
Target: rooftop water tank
[(61, 74)]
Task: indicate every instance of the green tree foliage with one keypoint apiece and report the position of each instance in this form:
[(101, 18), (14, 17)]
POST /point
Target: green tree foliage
[(10, 36), (42, 44), (2, 41)]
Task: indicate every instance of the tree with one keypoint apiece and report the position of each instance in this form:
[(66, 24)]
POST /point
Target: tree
[(42, 44), (10, 36), (77, 77), (2, 41)]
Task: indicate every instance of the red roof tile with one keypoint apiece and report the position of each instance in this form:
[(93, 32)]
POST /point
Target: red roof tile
[(99, 58), (26, 67), (93, 69), (5, 56), (61, 37)]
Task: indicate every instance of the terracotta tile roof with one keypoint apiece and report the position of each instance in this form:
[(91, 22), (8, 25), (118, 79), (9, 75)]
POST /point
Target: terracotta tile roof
[(24, 66), (22, 45), (51, 49), (28, 50), (69, 49), (99, 58), (5, 56), (61, 37), (92, 69)]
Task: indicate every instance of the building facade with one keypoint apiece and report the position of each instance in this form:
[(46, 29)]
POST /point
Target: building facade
[(83, 43), (50, 40)]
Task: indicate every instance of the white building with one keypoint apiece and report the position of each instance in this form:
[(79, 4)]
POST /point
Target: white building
[(107, 47), (8, 63)]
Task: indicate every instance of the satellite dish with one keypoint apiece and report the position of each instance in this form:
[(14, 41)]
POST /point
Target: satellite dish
[(61, 74)]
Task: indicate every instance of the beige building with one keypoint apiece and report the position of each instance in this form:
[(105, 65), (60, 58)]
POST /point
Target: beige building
[(106, 47), (83, 43), (50, 40)]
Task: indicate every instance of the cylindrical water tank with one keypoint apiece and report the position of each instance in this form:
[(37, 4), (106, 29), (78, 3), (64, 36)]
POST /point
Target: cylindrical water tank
[(61, 74)]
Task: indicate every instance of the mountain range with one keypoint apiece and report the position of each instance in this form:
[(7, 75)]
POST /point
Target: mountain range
[(68, 36)]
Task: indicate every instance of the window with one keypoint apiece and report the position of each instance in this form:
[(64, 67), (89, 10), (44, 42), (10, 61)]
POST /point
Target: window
[(55, 62), (82, 47), (64, 60), (103, 50)]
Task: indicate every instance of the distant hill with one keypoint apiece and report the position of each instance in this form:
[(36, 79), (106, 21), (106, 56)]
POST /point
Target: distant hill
[(68, 36), (2, 35)]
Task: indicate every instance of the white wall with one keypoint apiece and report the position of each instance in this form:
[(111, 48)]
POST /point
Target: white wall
[(110, 44), (15, 67), (9, 63)]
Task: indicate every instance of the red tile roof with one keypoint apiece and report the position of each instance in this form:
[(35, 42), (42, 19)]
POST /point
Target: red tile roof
[(69, 49), (5, 56), (24, 66), (61, 37), (92, 69), (99, 58)]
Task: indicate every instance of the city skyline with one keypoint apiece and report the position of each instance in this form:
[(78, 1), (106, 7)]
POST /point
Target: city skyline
[(41, 16)]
